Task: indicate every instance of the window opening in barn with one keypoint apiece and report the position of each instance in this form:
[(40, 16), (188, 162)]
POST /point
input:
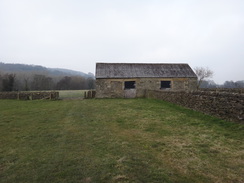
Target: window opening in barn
[(130, 85), (165, 84)]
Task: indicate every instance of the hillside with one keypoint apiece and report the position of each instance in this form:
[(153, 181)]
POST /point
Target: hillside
[(15, 68)]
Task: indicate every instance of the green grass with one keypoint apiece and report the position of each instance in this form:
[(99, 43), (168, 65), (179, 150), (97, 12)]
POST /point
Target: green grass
[(116, 140), (71, 94)]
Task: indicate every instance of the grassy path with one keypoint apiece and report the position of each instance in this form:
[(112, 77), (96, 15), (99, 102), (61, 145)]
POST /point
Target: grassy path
[(116, 140)]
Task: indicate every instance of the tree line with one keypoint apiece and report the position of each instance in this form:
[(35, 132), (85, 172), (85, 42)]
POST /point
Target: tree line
[(204, 73), (36, 81), (40, 81), (226, 84)]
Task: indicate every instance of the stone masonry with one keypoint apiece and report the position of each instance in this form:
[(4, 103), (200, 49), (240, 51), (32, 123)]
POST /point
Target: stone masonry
[(114, 88), (226, 105)]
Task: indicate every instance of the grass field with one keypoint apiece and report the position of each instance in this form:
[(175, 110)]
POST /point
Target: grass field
[(116, 140), (71, 94)]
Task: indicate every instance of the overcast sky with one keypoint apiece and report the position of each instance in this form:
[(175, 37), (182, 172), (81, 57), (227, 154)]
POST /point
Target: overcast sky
[(75, 34)]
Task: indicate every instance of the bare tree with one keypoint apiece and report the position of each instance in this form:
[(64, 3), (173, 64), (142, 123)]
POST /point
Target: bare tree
[(64, 83), (90, 83), (8, 82), (42, 82), (202, 73)]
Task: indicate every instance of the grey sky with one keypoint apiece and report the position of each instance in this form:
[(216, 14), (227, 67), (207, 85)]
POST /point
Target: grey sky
[(75, 34)]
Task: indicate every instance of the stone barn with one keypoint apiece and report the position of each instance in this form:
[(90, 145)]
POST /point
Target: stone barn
[(130, 80)]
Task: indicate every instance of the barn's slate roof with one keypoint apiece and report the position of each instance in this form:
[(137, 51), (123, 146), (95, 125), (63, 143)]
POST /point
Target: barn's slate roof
[(141, 70)]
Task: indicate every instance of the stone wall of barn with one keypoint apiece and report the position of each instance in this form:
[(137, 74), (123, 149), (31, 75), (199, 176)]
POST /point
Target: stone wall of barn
[(114, 88), (227, 105)]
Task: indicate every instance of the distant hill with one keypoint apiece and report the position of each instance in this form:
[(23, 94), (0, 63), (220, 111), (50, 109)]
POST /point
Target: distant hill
[(15, 68)]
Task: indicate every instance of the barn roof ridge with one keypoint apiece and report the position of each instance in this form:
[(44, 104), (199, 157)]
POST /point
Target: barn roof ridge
[(148, 63)]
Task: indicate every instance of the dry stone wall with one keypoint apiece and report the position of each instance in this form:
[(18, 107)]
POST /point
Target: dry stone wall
[(89, 94), (29, 95), (226, 105)]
